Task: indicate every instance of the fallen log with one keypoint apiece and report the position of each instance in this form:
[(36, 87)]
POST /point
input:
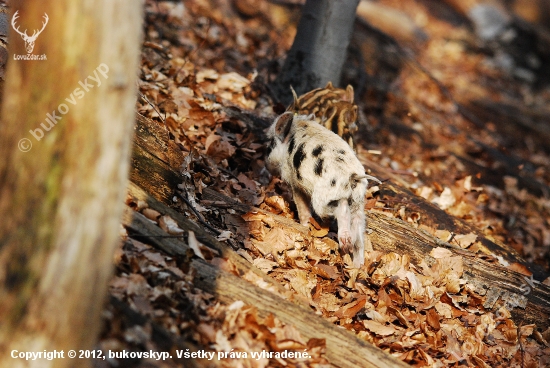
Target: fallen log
[(343, 348)]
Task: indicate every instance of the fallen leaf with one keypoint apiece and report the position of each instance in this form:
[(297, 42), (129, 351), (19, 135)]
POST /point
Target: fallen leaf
[(445, 200), (169, 225), (204, 74), (440, 252), (195, 245), (379, 328), (464, 241)]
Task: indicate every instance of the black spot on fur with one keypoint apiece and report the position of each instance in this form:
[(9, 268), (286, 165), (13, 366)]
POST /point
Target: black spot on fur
[(349, 201), (298, 176), (342, 152), (319, 167), (340, 159), (317, 150), (299, 157), (333, 182), (333, 203), (291, 145), (270, 147)]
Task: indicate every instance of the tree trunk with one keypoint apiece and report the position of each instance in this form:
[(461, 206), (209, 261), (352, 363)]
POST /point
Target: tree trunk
[(65, 145), (319, 49)]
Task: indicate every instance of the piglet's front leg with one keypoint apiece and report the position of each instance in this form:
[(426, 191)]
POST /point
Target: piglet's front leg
[(343, 217), (358, 233), (302, 205)]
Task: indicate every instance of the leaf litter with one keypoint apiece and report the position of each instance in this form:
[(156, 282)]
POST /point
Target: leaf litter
[(201, 59)]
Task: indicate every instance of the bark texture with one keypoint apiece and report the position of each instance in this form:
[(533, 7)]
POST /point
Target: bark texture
[(62, 181), (319, 49)]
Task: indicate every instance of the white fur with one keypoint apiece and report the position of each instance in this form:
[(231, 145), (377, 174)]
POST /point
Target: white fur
[(335, 189)]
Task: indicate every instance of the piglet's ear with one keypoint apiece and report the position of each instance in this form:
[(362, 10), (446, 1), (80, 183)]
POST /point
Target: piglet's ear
[(283, 123), (349, 94), (295, 105)]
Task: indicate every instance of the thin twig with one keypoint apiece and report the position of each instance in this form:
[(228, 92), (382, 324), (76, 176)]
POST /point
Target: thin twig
[(153, 106)]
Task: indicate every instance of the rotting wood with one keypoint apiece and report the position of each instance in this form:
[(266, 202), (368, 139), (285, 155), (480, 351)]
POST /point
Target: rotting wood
[(343, 348), (154, 158)]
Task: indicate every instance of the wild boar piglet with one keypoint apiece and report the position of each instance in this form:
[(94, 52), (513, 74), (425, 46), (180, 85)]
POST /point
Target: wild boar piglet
[(324, 175)]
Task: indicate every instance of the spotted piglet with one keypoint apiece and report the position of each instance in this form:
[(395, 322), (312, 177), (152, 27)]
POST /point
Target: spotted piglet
[(323, 171)]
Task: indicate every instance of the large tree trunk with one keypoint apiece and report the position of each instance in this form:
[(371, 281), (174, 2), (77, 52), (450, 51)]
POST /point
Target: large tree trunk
[(62, 182), (319, 49)]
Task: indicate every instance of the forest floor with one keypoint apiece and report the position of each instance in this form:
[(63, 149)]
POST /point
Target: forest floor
[(452, 119)]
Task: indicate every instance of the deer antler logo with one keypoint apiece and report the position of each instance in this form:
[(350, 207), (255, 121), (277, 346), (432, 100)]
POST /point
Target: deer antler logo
[(29, 40)]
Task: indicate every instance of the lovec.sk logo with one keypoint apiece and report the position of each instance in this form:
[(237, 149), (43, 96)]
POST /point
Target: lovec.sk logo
[(29, 40)]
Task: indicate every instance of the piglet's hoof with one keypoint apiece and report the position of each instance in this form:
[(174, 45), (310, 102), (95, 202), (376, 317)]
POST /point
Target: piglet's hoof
[(345, 242)]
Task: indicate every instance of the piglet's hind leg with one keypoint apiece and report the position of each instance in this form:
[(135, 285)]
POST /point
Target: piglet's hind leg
[(302, 205), (343, 217)]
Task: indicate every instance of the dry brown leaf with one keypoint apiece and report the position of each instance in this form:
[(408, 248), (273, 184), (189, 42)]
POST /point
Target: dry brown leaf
[(328, 302), (518, 267), (169, 225), (432, 317), (351, 309), (151, 214), (326, 271), (219, 148), (274, 242), (444, 235), (300, 281), (439, 252), (378, 328), (232, 81), (317, 230), (444, 309), (464, 241), (204, 74), (264, 264), (195, 245), (445, 200)]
